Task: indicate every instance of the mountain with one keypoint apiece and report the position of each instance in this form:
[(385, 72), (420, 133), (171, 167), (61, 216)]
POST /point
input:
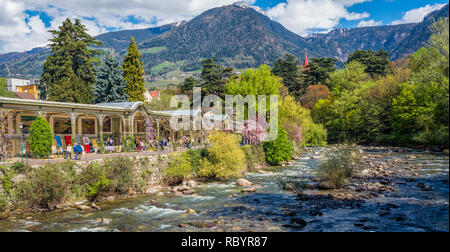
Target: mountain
[(29, 64), (120, 40), (239, 36)]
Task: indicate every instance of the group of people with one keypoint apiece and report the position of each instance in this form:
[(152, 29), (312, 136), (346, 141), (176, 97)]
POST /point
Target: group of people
[(110, 142), (77, 150)]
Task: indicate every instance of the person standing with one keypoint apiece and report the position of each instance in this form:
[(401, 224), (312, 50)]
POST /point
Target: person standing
[(68, 152)]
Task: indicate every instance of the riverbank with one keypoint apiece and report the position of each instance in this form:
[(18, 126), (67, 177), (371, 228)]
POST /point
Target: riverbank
[(400, 191)]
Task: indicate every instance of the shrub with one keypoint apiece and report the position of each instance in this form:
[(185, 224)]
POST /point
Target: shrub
[(3, 202), (180, 168), (41, 137), (128, 144), (120, 171), (45, 187), (99, 187), (225, 157), (292, 184), (340, 167), (20, 168), (93, 180), (6, 176), (254, 156), (279, 150)]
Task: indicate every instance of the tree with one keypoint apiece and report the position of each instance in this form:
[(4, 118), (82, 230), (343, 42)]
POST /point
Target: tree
[(349, 78), (318, 72), (41, 137), (71, 58), (255, 82), (376, 62), (313, 94), (3, 89), (214, 77), (110, 85), (133, 73), (188, 85), (288, 69), (279, 150)]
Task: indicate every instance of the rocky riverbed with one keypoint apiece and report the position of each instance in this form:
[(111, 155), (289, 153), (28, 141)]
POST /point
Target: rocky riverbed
[(397, 190)]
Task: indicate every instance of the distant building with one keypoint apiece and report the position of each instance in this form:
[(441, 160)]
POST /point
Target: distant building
[(150, 95), (306, 64), (23, 88)]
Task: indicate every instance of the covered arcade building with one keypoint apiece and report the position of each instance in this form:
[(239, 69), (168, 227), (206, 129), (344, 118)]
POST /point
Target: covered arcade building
[(76, 122)]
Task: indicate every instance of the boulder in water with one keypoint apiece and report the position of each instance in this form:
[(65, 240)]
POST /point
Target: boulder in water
[(243, 182)]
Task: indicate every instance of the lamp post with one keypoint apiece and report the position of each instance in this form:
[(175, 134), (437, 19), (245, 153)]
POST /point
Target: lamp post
[(21, 141)]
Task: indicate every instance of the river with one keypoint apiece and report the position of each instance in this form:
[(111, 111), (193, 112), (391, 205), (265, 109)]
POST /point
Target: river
[(408, 208)]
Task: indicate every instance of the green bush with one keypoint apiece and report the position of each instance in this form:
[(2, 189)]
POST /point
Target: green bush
[(180, 168), (279, 150), (121, 173), (93, 180), (254, 156), (6, 176), (45, 187), (3, 202), (340, 167), (128, 144), (225, 158), (20, 168), (41, 137)]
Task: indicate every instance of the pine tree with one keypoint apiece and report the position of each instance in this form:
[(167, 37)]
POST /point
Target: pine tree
[(110, 85), (71, 59), (133, 73), (214, 77), (288, 69)]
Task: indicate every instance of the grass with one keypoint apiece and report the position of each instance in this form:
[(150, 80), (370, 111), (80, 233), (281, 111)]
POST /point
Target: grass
[(153, 50), (340, 167)]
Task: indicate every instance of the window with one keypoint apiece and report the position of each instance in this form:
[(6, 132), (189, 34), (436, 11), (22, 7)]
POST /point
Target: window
[(140, 126), (27, 121), (62, 126), (107, 125), (88, 126)]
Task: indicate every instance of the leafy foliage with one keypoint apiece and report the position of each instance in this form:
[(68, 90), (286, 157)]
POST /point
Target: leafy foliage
[(225, 157), (319, 71), (41, 137), (287, 68), (279, 150), (375, 62), (214, 77), (313, 94)]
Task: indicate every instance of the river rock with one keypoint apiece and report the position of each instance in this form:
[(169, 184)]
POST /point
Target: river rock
[(249, 190), (190, 211), (324, 186), (93, 205), (298, 222), (83, 207), (188, 192), (192, 183), (243, 182)]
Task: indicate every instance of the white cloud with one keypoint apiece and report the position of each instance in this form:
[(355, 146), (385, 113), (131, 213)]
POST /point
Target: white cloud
[(371, 22), (19, 32), (417, 15), (306, 16)]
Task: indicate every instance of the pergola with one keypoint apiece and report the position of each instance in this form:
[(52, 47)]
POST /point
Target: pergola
[(86, 120)]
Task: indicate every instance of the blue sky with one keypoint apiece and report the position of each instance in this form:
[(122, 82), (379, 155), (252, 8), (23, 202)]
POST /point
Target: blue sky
[(24, 23)]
